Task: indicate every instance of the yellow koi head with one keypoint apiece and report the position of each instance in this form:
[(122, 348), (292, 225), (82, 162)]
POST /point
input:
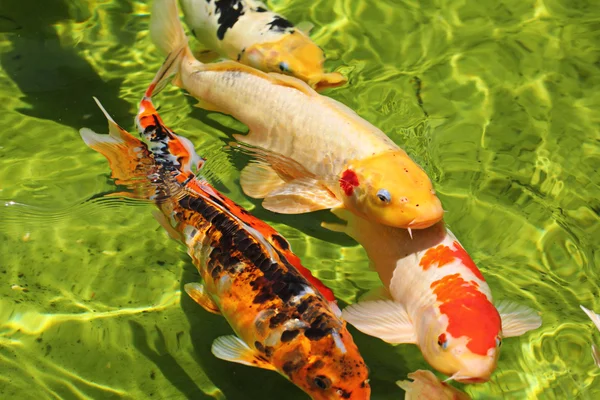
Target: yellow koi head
[(326, 367), (390, 189), (294, 54)]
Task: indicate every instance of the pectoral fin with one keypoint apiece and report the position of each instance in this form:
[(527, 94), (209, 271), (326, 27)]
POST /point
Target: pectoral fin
[(164, 222), (300, 196), (593, 316), (596, 320), (258, 180), (232, 348), (385, 319), (333, 226), (305, 27), (198, 294), (517, 319)]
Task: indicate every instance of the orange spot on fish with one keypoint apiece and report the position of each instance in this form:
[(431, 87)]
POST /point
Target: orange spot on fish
[(469, 312), (441, 255), (348, 182), (462, 255)]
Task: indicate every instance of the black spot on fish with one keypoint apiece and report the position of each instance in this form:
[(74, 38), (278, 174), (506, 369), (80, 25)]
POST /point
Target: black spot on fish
[(281, 242), (269, 351), (277, 320), (279, 24), (261, 9), (292, 366), (289, 335), (239, 57), (314, 333), (259, 346), (229, 12), (263, 297)]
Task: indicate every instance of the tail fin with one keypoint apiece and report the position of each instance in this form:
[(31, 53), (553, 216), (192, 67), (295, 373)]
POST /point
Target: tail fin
[(129, 158), (166, 30)]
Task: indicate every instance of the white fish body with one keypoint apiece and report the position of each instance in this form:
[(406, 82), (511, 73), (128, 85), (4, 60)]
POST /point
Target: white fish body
[(437, 299)]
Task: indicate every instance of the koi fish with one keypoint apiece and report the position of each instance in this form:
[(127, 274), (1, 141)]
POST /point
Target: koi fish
[(596, 320), (318, 153), (435, 297), (282, 321), (425, 386), (246, 31)]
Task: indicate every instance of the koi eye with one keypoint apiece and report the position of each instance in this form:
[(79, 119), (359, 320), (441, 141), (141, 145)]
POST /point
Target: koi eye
[(443, 341), (284, 67), (322, 382), (384, 196), (498, 341)]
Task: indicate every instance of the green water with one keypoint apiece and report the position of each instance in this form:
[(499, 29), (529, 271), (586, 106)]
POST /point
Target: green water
[(508, 129)]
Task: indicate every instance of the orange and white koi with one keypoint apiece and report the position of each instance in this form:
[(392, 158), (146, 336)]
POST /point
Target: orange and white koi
[(320, 153), (436, 298), (247, 31), (250, 276), (425, 386), (596, 320)]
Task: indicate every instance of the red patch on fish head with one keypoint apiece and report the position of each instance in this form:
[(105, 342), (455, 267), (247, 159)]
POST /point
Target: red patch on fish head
[(348, 182), (469, 312)]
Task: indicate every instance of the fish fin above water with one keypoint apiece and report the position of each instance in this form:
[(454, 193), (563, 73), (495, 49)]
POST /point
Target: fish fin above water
[(164, 222), (300, 196), (593, 316), (258, 180), (232, 348), (596, 320), (385, 319), (426, 386), (126, 155), (197, 292), (166, 30), (517, 319), (305, 27), (208, 106)]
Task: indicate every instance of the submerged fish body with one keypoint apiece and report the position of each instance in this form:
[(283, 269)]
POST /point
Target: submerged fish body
[(249, 274), (317, 153), (248, 32), (436, 298)]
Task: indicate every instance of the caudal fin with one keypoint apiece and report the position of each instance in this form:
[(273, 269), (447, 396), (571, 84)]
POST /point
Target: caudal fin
[(129, 158), (166, 30)]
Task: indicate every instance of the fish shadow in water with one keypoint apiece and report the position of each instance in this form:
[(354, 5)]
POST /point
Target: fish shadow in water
[(309, 223), (236, 381), (55, 81), (167, 364)]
